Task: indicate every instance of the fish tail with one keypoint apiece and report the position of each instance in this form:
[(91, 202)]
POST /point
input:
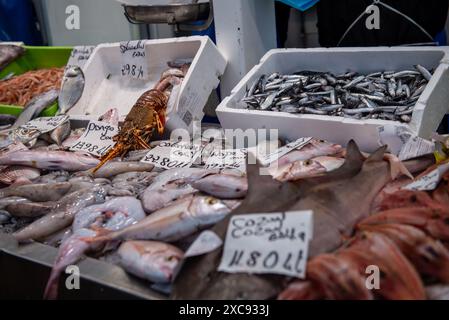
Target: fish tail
[(52, 287)]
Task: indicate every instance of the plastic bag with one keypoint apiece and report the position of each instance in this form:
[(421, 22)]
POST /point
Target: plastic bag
[(302, 5)]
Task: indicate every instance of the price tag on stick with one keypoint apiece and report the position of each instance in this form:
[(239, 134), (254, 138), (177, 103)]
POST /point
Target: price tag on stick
[(80, 55), (272, 243), (134, 60), (97, 139)]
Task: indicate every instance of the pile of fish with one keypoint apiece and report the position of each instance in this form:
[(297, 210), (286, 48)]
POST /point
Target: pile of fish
[(387, 95), (145, 217)]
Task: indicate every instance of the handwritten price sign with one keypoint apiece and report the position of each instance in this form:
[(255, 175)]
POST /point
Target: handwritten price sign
[(80, 55), (134, 61), (97, 139), (174, 156), (273, 243), (227, 158)]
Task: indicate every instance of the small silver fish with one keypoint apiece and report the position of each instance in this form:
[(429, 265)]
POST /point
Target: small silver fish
[(72, 88), (35, 107)]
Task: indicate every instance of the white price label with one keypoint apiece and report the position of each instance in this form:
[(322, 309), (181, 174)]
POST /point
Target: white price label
[(274, 156), (429, 181), (180, 155), (80, 55), (206, 242), (273, 243), (45, 124), (134, 60), (395, 137), (415, 147), (227, 158), (97, 138)]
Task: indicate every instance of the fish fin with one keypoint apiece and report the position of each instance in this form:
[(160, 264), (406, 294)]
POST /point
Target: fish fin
[(378, 155), (397, 167), (353, 152), (52, 287)]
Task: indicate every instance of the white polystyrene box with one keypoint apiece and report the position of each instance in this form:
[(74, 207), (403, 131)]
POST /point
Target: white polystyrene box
[(105, 88), (428, 113)]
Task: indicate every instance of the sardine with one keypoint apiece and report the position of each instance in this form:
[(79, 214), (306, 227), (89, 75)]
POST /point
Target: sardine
[(50, 160), (72, 88)]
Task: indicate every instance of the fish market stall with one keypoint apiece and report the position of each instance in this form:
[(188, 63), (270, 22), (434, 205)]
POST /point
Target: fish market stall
[(325, 178)]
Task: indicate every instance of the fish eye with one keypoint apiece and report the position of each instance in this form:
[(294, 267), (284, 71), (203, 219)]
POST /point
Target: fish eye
[(170, 258), (211, 201), (307, 162)]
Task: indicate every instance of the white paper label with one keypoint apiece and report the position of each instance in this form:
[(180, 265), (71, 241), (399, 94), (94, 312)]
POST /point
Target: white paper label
[(206, 242), (274, 243), (274, 156), (415, 147), (429, 181), (227, 158), (45, 124), (97, 138), (134, 60), (180, 155), (80, 55), (395, 137)]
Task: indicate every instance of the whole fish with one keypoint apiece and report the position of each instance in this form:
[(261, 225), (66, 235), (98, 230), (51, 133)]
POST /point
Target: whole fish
[(153, 261), (114, 168), (72, 88), (54, 176), (50, 160), (37, 192), (12, 174), (33, 108), (223, 186), (315, 148), (63, 215), (187, 174), (155, 199), (308, 168), (9, 53), (338, 201), (113, 215), (172, 223), (31, 209)]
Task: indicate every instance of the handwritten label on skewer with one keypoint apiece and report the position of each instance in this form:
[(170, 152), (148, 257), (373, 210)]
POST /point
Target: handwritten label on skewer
[(97, 139), (270, 158), (429, 181), (415, 147), (134, 60), (45, 124), (227, 158), (179, 155), (273, 243), (80, 55)]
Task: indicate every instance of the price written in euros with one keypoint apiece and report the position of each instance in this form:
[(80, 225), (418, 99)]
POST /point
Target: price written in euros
[(97, 139)]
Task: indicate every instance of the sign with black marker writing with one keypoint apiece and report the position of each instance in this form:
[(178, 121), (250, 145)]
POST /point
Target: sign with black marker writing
[(173, 155), (429, 181), (134, 61), (227, 158), (97, 139), (80, 55), (273, 243)]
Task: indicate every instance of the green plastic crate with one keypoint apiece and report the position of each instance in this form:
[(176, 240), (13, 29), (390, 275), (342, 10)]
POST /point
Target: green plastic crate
[(36, 58)]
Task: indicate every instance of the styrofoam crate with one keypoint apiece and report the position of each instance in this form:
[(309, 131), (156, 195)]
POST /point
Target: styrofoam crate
[(105, 88), (427, 115)]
